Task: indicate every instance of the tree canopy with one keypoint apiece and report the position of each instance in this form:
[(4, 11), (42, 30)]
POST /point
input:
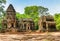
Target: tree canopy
[(42, 11), (35, 11), (2, 2), (57, 20)]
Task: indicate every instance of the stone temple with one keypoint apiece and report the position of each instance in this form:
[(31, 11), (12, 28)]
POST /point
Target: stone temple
[(47, 23), (10, 22)]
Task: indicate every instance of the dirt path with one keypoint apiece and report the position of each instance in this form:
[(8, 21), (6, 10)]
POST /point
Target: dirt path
[(54, 36)]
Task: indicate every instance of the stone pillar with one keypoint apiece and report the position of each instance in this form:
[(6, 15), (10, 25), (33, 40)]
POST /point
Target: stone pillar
[(14, 25), (40, 27), (23, 26), (47, 27), (27, 26)]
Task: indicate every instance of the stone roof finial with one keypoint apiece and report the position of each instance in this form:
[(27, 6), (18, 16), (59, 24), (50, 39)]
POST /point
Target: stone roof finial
[(10, 8)]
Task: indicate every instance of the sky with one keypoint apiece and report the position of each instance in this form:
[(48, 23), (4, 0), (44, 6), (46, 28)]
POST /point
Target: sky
[(19, 5)]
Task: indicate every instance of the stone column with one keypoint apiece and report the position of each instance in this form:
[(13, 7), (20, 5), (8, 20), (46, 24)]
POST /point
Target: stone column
[(14, 25), (23, 26), (40, 27), (47, 27), (27, 26)]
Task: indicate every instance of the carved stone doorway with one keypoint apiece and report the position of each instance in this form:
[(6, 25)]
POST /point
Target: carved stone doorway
[(12, 25)]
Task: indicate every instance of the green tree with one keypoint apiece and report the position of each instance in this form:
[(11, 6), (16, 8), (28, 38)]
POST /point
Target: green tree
[(42, 11), (2, 2), (35, 11), (57, 19), (2, 13), (20, 16), (32, 12), (31, 9)]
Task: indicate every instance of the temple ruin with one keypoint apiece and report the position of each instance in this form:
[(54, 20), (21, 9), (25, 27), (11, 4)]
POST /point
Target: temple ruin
[(10, 23), (47, 23), (26, 24)]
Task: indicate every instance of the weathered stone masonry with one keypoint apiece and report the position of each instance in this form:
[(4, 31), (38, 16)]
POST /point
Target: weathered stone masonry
[(12, 24)]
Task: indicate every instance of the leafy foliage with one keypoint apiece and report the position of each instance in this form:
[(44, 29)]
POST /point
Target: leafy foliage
[(35, 11), (32, 11), (2, 7), (2, 12), (20, 16), (57, 19), (42, 11)]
